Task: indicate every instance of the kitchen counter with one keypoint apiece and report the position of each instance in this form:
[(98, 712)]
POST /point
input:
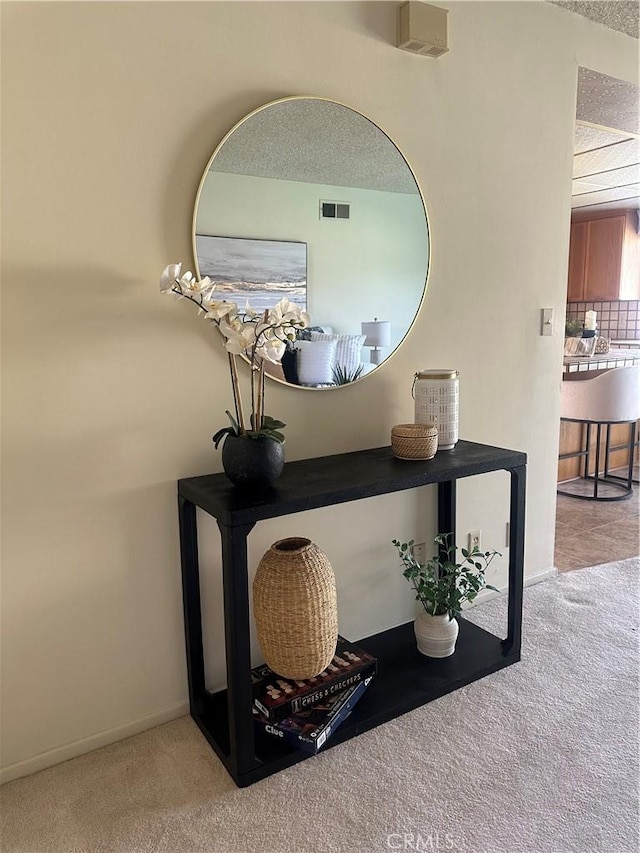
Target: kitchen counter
[(633, 344), (613, 358)]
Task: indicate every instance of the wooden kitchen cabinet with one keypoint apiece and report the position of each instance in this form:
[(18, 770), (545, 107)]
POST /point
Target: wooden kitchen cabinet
[(577, 261), (604, 257)]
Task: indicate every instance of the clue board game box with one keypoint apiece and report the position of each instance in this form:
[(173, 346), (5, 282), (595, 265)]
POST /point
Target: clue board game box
[(310, 729), (276, 697)]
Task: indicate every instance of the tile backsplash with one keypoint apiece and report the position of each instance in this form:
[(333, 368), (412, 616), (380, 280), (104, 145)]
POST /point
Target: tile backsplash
[(618, 320)]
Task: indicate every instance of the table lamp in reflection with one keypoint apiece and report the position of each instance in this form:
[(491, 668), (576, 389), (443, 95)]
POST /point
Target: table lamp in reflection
[(378, 334)]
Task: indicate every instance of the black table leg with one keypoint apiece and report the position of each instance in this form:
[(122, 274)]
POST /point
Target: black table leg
[(447, 512), (513, 641), (238, 646), (191, 603)]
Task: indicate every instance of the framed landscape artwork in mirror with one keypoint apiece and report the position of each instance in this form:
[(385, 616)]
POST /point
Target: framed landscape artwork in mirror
[(258, 271), (309, 199)]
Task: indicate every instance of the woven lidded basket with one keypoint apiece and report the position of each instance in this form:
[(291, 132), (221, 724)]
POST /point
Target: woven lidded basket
[(414, 441), (295, 608)]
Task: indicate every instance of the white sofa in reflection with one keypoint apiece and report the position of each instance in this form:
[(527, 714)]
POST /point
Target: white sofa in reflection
[(326, 359)]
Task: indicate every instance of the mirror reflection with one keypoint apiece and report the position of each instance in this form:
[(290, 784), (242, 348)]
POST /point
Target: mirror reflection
[(309, 200)]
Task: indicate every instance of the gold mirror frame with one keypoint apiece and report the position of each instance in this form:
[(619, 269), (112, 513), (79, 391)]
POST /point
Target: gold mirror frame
[(429, 252)]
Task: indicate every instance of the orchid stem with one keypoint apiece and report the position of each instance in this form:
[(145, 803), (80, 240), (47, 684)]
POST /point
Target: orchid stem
[(253, 398), (281, 324), (237, 398), (260, 397)]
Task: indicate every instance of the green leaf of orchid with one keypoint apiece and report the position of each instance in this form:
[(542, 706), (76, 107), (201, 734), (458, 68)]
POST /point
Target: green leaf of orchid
[(217, 438), (234, 423), (272, 423), (273, 434)]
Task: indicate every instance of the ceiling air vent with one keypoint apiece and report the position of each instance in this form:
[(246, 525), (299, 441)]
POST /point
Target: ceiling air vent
[(435, 51), (413, 46), (422, 29)]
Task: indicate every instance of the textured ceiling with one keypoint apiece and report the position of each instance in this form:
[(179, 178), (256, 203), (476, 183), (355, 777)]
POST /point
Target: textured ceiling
[(607, 101), (606, 163), (618, 15)]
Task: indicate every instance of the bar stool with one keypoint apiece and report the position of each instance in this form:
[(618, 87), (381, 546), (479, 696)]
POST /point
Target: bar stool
[(611, 397)]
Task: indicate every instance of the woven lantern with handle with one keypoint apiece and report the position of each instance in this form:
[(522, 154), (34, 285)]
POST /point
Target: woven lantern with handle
[(295, 608)]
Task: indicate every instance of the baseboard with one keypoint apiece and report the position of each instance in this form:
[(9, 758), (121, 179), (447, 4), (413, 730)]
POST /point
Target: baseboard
[(488, 594), (88, 744), (79, 747), (541, 576)]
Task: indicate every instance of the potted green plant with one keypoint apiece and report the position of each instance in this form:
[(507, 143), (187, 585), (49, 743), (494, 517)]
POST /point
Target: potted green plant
[(253, 451), (572, 328), (442, 586)]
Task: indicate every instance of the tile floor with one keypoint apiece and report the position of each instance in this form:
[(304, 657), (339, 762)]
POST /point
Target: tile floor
[(592, 532)]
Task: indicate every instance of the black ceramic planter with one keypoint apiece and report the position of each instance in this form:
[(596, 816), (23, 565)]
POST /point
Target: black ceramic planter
[(252, 461)]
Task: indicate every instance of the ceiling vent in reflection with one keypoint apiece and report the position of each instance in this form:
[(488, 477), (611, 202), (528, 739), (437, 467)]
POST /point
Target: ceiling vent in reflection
[(334, 210), (422, 29)]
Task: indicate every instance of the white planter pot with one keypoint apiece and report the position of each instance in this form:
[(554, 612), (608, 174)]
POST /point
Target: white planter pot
[(436, 635)]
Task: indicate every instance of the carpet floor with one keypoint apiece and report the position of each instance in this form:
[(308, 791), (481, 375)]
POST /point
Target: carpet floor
[(541, 757)]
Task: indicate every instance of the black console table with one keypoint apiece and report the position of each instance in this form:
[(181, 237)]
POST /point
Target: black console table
[(406, 679)]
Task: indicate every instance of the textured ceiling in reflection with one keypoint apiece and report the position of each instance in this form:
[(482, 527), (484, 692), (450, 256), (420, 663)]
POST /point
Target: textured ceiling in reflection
[(315, 141)]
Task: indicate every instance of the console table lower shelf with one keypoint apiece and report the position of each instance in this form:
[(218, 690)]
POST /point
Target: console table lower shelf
[(406, 680)]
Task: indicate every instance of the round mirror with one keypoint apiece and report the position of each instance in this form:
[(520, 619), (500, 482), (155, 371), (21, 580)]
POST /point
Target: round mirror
[(307, 199)]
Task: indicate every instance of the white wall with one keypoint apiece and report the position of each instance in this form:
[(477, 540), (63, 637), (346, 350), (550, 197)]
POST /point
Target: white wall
[(373, 264), (110, 392)]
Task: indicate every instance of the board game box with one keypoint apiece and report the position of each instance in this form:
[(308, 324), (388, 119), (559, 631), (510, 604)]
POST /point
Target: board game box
[(310, 729), (277, 698)]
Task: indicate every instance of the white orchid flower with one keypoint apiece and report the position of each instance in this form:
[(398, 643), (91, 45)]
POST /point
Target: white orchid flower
[(304, 320), (261, 336), (284, 333), (265, 329), (241, 340), (208, 296), (250, 312), (287, 313), (233, 327), (266, 332), (272, 349), (191, 286), (230, 325), (276, 313), (283, 311), (186, 279), (287, 306), (170, 275), (217, 309), (206, 290)]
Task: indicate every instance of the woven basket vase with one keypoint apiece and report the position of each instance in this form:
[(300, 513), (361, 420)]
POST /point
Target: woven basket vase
[(295, 608)]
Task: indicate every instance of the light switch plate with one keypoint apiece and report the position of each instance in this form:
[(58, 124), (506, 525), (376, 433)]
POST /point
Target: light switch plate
[(546, 322)]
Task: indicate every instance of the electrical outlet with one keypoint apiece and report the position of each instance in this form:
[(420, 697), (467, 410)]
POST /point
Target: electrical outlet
[(475, 540), (420, 552)]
